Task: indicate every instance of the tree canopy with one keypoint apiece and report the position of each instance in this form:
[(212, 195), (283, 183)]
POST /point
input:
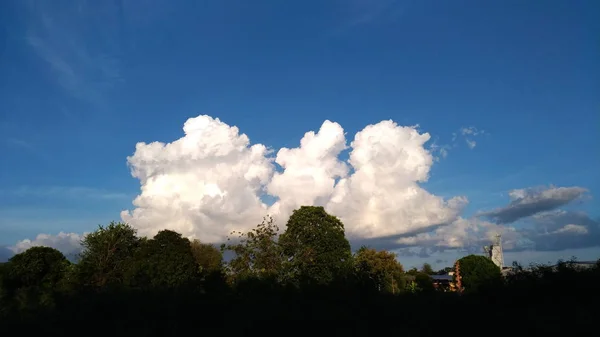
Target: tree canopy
[(42, 267), (166, 261), (315, 246), (258, 254), (426, 269), (34, 276), (478, 271), (107, 255), (208, 258), (379, 269)]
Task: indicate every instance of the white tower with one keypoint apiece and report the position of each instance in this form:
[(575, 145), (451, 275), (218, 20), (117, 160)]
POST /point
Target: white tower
[(494, 252)]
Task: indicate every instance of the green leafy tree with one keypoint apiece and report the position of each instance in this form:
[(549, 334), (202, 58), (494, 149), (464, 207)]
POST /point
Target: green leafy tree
[(209, 261), (208, 258), (424, 282), (107, 255), (35, 275), (165, 262), (379, 269), (477, 272), (426, 269), (257, 253), (315, 246), (412, 271)]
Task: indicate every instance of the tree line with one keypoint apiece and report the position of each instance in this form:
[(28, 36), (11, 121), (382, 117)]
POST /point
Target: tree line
[(307, 275)]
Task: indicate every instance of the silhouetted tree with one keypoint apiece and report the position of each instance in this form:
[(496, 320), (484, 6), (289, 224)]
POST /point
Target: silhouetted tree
[(107, 255), (165, 262), (208, 258), (379, 270), (257, 254), (33, 276), (412, 271), (424, 282), (478, 271), (426, 269), (315, 246)]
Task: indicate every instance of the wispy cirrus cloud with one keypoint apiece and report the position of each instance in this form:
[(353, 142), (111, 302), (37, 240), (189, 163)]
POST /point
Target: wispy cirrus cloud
[(15, 142), (64, 192), (81, 53), (23, 145), (468, 133), (465, 133), (362, 12)]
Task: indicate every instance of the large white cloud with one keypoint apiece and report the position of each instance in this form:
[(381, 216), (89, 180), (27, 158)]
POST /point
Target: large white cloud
[(309, 171), (210, 181), (382, 196), (203, 185)]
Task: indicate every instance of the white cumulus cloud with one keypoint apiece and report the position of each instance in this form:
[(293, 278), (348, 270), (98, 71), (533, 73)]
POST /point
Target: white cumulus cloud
[(203, 185), (65, 242), (382, 196), (309, 171), (210, 181)]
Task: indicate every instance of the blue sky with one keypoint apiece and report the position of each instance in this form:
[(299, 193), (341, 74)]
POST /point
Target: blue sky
[(81, 82)]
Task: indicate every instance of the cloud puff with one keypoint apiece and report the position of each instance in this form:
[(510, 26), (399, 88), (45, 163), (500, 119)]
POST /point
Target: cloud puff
[(466, 133), (559, 230), (5, 254), (67, 243), (466, 234), (530, 201), (210, 181), (382, 196), (204, 185), (309, 171)]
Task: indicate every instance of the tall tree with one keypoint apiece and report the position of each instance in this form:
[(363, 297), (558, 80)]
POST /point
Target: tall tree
[(34, 275), (379, 269), (107, 255), (165, 262), (426, 269), (257, 253), (478, 271), (208, 258), (424, 282), (315, 246)]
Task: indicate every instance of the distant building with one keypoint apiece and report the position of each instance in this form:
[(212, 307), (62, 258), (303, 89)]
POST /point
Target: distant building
[(495, 253), (442, 282)]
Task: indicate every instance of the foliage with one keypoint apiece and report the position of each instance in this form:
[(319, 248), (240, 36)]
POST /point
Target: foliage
[(426, 269), (34, 275), (315, 246), (162, 292), (424, 282), (208, 258), (164, 262), (379, 269), (478, 272), (257, 254), (107, 255)]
